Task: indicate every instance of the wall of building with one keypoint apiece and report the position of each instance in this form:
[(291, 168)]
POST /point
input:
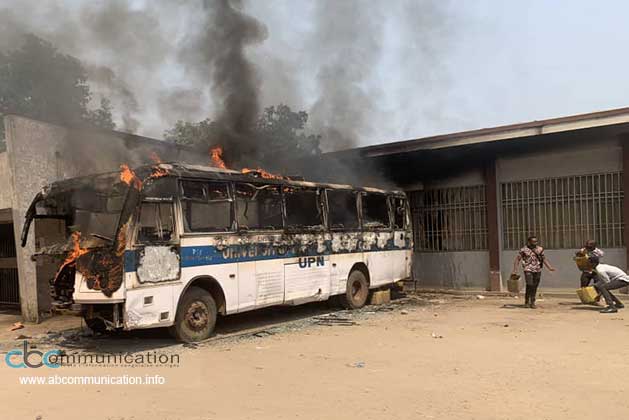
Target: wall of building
[(457, 269), (451, 270), (599, 157), (6, 186), (39, 153), (467, 178)]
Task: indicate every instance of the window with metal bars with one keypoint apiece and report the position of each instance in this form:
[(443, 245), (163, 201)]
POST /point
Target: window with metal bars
[(564, 212), (450, 219)]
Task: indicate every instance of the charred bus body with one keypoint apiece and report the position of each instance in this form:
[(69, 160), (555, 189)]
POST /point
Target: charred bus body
[(174, 245)]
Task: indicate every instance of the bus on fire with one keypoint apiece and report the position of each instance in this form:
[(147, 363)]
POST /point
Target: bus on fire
[(174, 245)]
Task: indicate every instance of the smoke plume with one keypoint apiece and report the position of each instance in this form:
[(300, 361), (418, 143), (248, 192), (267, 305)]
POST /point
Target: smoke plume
[(349, 49), (168, 60), (219, 55)]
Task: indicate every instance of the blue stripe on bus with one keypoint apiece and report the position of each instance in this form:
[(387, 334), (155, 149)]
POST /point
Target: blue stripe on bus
[(196, 256)]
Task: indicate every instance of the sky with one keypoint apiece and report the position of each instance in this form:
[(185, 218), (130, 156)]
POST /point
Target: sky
[(378, 71), (494, 63)]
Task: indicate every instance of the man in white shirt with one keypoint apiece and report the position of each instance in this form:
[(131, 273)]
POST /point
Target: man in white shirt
[(607, 277)]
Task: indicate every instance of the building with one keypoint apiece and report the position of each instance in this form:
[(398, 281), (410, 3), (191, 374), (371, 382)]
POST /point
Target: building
[(37, 154), (477, 195)]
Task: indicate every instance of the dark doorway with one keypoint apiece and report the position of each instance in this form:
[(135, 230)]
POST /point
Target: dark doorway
[(9, 286)]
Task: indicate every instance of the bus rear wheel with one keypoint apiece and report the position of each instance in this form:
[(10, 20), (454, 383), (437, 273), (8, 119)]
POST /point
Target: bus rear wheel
[(196, 316), (357, 291)]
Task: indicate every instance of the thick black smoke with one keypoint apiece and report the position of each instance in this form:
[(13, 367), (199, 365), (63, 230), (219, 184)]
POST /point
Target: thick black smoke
[(168, 60), (219, 54)]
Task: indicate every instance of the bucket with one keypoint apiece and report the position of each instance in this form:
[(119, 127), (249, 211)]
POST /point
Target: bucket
[(514, 284), (583, 263), (587, 294)]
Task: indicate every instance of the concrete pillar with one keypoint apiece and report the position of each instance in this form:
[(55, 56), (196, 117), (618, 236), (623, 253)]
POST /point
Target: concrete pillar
[(493, 227), (625, 186)]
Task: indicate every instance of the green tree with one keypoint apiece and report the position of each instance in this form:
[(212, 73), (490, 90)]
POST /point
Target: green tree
[(38, 81), (280, 134)]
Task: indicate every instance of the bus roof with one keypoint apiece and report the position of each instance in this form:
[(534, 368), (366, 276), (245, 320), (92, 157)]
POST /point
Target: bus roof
[(209, 172)]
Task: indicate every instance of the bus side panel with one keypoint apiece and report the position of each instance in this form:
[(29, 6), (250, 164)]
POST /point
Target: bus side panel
[(377, 258), (247, 286), (269, 281), (341, 266), (149, 306), (306, 279), (226, 276), (400, 257)]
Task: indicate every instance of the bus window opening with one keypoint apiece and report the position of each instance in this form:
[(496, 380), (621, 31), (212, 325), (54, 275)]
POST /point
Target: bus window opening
[(258, 207), (303, 209), (156, 222), (343, 213), (375, 211), (206, 206)]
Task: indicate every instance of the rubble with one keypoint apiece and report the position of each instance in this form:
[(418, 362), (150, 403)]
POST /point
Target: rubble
[(16, 326), (334, 319)]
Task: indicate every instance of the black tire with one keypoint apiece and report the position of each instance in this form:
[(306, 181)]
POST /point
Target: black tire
[(196, 316), (97, 325), (357, 292)]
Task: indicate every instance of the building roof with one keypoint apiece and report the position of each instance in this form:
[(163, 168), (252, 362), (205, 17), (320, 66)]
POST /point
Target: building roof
[(505, 132)]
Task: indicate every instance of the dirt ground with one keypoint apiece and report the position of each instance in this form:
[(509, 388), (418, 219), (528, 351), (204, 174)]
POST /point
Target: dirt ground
[(432, 357)]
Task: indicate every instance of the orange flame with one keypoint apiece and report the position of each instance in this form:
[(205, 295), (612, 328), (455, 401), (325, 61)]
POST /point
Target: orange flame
[(158, 172), (262, 173), (128, 177), (74, 254), (217, 157)]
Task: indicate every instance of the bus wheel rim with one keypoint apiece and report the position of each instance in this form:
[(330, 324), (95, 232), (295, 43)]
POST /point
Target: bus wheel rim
[(357, 290), (197, 316)]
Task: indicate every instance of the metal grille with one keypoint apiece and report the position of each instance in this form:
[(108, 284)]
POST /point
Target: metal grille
[(9, 285), (564, 212), (450, 219)]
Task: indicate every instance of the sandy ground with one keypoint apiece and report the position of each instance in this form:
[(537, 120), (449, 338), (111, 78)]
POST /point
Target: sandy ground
[(440, 357)]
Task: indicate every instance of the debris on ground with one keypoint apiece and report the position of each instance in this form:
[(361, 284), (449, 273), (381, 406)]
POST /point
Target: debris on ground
[(435, 335), (334, 319), (16, 326), (263, 333), (404, 312), (480, 297), (357, 365)]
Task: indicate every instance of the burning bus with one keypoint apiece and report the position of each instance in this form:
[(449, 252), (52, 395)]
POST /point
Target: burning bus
[(175, 245)]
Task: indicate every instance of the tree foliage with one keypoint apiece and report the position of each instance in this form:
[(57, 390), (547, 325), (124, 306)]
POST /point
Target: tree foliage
[(280, 134), (38, 81)]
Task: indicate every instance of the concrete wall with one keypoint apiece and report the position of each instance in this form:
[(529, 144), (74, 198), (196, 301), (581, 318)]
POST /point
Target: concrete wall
[(40, 153), (451, 270), (6, 186), (465, 178), (471, 269), (601, 156), (461, 269)]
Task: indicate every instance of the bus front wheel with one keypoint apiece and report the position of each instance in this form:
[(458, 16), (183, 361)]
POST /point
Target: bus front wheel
[(357, 291), (196, 316)]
